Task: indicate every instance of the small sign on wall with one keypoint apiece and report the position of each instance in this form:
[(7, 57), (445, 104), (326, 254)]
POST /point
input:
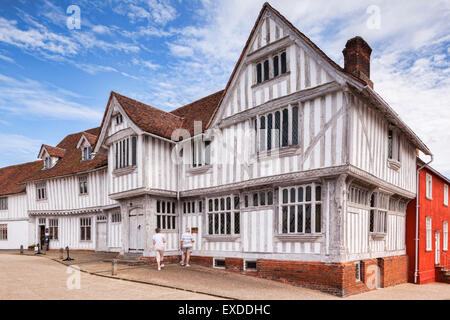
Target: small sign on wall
[(194, 230)]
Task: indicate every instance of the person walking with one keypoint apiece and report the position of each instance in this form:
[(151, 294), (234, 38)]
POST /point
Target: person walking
[(187, 241), (159, 242)]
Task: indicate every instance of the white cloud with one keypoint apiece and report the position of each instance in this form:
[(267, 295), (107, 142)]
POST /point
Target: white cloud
[(7, 59), (18, 147), (180, 51), (145, 63), (154, 11), (101, 29), (24, 97)]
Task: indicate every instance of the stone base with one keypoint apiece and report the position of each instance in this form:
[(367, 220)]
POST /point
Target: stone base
[(335, 278)]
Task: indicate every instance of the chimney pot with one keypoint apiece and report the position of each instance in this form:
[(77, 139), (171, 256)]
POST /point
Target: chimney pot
[(357, 59)]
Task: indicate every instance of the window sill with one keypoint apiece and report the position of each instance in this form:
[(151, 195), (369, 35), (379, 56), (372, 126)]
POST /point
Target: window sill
[(123, 171), (394, 164), (256, 85), (199, 170), (280, 153), (221, 238), (299, 237), (377, 235)]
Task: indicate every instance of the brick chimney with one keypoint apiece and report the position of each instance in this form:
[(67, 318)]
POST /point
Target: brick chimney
[(357, 59)]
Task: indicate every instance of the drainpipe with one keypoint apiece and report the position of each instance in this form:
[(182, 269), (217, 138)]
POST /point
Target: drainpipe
[(416, 256)]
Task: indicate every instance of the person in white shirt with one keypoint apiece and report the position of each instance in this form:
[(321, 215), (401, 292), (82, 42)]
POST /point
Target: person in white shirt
[(159, 242), (187, 241)]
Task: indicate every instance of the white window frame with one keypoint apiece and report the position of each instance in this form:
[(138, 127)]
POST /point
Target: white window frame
[(41, 191), (200, 152), (48, 162), (87, 153), (193, 207), (3, 203), (53, 227), (445, 236), (83, 185), (394, 145), (166, 215), (249, 199), (379, 209), (262, 134), (116, 217), (429, 186), (217, 209), (446, 195), (429, 234), (3, 232), (119, 119), (124, 155), (285, 208), (85, 224)]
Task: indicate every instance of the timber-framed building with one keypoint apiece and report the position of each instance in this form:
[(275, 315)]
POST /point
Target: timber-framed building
[(297, 171)]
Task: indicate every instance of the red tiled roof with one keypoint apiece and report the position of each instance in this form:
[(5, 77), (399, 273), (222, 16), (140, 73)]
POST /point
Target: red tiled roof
[(71, 162), (201, 110), (148, 118), (54, 151), (11, 177), (92, 139)]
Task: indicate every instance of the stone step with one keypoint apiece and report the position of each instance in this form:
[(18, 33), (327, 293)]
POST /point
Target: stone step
[(134, 256)]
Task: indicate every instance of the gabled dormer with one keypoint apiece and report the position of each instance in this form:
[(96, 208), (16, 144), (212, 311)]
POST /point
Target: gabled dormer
[(50, 155), (85, 145)]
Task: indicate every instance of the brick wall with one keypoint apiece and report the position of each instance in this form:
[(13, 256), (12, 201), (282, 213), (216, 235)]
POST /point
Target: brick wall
[(334, 278), (394, 271)]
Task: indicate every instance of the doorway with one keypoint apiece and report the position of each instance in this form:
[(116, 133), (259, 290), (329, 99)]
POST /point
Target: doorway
[(137, 230), (101, 236), (437, 252), (41, 237)]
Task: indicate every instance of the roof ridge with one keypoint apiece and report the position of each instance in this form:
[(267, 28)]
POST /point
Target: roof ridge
[(20, 164), (191, 103), (147, 105)]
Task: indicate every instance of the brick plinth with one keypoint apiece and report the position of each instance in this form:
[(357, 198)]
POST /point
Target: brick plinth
[(167, 259), (334, 278)]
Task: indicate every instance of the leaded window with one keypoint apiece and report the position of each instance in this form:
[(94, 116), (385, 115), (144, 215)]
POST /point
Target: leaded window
[(166, 218), (279, 128), (85, 229), (4, 203), (83, 182), (301, 209), (379, 206), (53, 228), (3, 232), (223, 216), (125, 153), (41, 191)]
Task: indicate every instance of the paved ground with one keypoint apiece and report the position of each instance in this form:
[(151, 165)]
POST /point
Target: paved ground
[(200, 281), (35, 278)]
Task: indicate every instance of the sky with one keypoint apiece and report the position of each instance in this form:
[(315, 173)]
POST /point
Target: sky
[(56, 77)]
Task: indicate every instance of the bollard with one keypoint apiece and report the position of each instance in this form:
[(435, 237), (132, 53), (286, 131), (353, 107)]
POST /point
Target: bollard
[(21, 249), (68, 256), (61, 253), (39, 249), (114, 267)]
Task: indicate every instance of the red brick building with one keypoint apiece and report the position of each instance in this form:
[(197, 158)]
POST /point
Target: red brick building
[(429, 260)]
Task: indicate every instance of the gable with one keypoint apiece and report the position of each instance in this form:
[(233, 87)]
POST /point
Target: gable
[(307, 66)]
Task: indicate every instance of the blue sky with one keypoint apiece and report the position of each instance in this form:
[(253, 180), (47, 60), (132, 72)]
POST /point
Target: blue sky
[(55, 81)]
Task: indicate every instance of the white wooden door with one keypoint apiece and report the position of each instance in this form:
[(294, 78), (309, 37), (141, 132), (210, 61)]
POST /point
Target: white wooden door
[(136, 234), (437, 246), (101, 237)]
